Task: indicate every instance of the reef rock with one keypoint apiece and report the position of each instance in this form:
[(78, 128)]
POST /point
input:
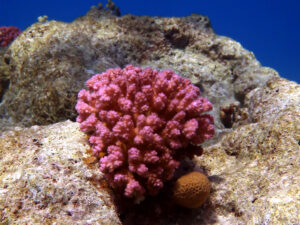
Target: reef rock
[(50, 61), (46, 177), (254, 169), (4, 74)]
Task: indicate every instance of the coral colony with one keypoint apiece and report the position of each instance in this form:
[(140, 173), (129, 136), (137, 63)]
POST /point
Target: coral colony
[(191, 190), (142, 123), (8, 34)]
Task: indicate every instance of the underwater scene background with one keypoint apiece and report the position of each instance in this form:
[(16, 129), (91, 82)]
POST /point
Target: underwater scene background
[(270, 29), (148, 112)]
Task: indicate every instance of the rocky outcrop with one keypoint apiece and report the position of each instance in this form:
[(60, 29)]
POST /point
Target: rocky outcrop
[(50, 61), (254, 169), (46, 177)]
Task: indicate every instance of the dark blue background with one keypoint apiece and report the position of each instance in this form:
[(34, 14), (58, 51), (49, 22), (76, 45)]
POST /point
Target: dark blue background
[(269, 28)]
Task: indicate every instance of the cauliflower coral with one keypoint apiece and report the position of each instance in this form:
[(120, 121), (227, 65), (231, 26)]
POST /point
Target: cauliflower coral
[(141, 123), (8, 34)]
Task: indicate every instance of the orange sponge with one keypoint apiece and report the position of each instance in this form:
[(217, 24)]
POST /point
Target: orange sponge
[(191, 190)]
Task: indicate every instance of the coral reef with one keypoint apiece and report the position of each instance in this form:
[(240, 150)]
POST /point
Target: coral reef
[(49, 62), (142, 122), (48, 176), (191, 190), (8, 34), (253, 170)]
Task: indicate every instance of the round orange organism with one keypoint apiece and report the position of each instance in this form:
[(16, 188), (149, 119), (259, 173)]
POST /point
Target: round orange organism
[(191, 190)]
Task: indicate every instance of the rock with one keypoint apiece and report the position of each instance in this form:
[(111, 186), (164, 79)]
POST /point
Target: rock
[(254, 169), (50, 61), (277, 97), (4, 73), (5, 122), (48, 177)]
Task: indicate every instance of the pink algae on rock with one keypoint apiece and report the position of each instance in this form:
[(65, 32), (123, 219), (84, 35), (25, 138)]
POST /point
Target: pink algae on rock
[(142, 123)]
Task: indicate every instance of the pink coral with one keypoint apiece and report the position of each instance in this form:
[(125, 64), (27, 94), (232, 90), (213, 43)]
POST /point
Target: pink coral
[(141, 124), (8, 34)]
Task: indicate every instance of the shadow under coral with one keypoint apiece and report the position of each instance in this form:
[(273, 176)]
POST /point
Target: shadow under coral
[(162, 210)]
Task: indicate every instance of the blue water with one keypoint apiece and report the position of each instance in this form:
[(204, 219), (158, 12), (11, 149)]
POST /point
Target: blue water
[(269, 28)]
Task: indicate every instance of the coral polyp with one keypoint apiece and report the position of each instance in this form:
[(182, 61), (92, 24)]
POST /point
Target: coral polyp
[(142, 123)]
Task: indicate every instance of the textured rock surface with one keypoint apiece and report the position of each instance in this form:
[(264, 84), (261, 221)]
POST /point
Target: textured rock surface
[(44, 178), (4, 73), (255, 168), (50, 61)]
